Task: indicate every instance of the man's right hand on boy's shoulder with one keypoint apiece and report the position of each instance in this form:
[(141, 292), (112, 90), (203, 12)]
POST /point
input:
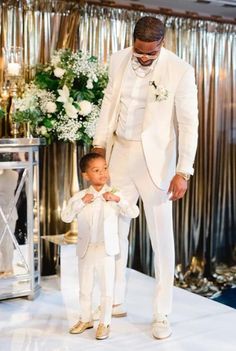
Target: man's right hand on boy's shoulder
[(87, 198)]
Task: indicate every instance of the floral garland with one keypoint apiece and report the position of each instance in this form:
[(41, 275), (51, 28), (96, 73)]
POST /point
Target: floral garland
[(63, 101)]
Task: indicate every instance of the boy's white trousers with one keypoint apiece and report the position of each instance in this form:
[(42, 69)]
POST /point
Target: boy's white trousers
[(96, 261)]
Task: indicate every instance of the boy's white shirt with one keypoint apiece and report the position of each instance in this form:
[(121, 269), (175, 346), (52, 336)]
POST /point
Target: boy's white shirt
[(85, 212)]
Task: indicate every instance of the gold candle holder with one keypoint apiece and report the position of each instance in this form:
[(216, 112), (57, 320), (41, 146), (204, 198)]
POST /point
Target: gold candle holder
[(5, 107), (13, 126), (13, 57)]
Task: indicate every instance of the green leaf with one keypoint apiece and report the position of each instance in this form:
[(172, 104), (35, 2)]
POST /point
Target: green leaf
[(88, 95), (47, 123), (46, 80)]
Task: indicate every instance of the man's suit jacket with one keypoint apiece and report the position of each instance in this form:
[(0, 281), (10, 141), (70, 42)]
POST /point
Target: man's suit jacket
[(76, 208), (170, 127)]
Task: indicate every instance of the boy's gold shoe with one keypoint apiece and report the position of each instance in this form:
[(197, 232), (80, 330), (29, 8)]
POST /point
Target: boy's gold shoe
[(80, 327), (102, 331)]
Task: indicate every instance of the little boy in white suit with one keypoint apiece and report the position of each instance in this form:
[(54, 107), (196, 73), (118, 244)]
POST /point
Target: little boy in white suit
[(97, 209)]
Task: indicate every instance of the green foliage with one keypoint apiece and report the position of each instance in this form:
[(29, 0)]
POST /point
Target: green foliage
[(27, 116), (44, 80), (2, 113)]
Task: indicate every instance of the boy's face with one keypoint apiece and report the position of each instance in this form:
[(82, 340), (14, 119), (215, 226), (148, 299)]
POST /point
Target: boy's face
[(97, 173)]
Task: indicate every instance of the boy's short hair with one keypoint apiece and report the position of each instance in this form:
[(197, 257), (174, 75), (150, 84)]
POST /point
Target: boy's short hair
[(84, 162)]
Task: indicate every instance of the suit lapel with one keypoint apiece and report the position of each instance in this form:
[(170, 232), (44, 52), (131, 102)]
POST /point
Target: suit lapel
[(159, 73), (115, 105), (121, 71), (158, 76), (87, 210)]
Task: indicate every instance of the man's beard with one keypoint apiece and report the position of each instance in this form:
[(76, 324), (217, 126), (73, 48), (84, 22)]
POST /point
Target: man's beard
[(145, 64)]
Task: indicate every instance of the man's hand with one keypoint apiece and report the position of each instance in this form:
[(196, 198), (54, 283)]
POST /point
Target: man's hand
[(88, 198), (108, 196), (178, 187), (99, 150)]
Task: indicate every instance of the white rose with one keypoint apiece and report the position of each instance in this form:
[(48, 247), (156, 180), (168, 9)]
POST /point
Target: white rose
[(89, 84), (85, 107), (64, 94), (50, 107), (71, 111), (59, 72)]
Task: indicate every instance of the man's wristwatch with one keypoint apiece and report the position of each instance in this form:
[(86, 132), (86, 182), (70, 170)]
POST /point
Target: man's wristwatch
[(186, 176)]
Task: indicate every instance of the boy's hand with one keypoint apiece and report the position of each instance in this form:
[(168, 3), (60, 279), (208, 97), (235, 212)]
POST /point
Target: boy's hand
[(108, 196), (88, 198)]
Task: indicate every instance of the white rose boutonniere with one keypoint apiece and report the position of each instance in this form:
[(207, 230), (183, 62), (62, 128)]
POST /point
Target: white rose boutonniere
[(161, 93), (114, 190)]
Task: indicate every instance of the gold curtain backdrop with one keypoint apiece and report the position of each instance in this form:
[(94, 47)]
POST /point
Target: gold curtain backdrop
[(205, 220)]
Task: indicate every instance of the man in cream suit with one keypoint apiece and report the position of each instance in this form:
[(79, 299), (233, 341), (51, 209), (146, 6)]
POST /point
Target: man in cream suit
[(148, 127), (97, 209)]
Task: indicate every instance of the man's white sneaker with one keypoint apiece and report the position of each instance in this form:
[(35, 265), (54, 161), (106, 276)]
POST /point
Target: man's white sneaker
[(161, 327), (119, 311)]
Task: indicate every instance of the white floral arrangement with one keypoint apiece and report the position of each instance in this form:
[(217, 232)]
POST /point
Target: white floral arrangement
[(63, 101), (161, 93)]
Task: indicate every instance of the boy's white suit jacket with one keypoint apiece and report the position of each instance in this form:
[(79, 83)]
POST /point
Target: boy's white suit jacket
[(76, 208), (170, 126)]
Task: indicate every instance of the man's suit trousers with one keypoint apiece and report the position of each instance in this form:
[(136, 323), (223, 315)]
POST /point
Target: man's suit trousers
[(129, 172)]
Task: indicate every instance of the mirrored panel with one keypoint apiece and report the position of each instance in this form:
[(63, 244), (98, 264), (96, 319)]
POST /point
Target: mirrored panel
[(19, 236)]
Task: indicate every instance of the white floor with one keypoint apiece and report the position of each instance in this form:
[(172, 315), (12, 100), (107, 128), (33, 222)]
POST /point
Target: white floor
[(199, 324)]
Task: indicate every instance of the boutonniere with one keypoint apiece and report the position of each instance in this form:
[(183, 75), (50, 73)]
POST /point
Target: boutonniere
[(160, 92), (114, 190)]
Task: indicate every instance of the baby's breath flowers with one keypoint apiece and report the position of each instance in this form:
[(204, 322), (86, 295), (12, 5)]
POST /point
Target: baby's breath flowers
[(63, 101)]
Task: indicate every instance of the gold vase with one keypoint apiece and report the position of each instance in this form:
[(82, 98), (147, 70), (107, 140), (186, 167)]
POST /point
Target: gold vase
[(26, 130), (15, 130)]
